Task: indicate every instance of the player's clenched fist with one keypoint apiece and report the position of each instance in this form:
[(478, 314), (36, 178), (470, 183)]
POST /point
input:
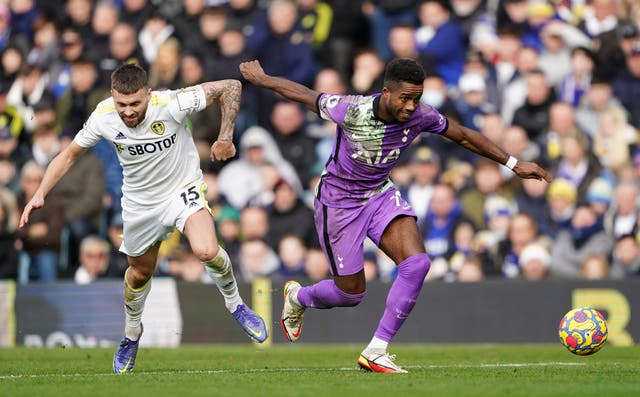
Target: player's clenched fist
[(252, 71), (222, 150)]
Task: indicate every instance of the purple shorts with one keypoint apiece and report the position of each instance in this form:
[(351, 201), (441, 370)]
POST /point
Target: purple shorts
[(342, 231)]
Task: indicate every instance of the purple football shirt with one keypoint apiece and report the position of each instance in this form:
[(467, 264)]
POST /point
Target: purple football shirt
[(366, 148)]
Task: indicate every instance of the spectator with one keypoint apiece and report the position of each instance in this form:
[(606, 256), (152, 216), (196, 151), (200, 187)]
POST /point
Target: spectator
[(11, 60), (598, 97), (368, 71), (41, 237), (533, 116), (136, 12), (442, 38), (155, 31), (470, 271), (82, 202), (205, 124), (532, 196), (123, 48), (561, 123), (562, 197), (534, 262), (290, 215), (315, 17), (229, 230), (104, 20), (626, 258), (316, 266), (184, 265), (559, 40), (516, 141), (257, 259), (12, 154), (9, 243), (345, 36), (571, 246), (164, 72), (240, 180), (117, 260), (488, 181), (494, 244), (280, 46), (512, 77), (27, 90), (288, 128), (23, 15), (623, 217), (626, 84), (382, 15), (439, 225), (82, 96), (93, 260), (402, 41), (370, 266), (72, 46), (614, 140), (241, 14), (577, 165), (424, 165), (292, 253), (233, 51), (473, 104), (575, 84), (523, 231), (78, 14), (599, 196), (595, 267), (254, 223), (46, 46)]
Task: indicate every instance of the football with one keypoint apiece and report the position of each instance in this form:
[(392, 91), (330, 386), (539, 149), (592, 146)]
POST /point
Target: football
[(583, 331)]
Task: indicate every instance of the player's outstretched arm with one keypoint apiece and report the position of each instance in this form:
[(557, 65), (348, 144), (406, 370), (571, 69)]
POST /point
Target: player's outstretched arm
[(253, 72), (478, 143), (56, 169), (228, 93)]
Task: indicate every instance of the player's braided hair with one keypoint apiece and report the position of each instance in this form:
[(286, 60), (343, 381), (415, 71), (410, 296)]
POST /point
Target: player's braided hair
[(404, 69), (128, 78)]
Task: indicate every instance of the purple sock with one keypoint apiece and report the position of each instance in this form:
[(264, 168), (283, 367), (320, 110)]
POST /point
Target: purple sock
[(325, 295), (402, 295)]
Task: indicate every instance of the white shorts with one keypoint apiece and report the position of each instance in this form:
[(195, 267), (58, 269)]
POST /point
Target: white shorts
[(144, 226)]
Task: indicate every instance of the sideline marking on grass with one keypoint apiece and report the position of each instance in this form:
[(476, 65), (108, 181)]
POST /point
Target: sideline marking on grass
[(275, 370)]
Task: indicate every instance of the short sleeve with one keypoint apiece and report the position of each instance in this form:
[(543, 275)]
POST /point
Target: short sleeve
[(89, 135), (432, 120), (333, 107), (186, 101)]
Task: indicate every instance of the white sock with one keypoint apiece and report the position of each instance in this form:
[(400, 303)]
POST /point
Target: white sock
[(377, 345), (221, 271), (133, 306)]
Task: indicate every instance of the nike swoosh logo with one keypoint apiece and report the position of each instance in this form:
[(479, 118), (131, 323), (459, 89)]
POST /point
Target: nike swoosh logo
[(124, 370), (256, 334)]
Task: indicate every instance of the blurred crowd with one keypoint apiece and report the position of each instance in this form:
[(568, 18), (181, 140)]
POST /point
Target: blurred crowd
[(552, 81)]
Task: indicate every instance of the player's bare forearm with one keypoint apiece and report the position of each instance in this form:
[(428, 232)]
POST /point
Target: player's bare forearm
[(253, 72), (478, 143), (228, 92), (56, 169)]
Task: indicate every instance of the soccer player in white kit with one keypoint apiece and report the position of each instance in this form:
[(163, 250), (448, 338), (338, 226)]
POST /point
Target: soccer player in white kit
[(163, 186)]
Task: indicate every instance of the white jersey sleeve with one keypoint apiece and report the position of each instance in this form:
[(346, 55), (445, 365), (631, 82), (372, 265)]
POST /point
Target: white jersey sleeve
[(89, 135), (187, 100)]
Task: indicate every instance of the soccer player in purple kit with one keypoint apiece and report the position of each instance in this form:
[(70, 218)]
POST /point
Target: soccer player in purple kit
[(355, 197)]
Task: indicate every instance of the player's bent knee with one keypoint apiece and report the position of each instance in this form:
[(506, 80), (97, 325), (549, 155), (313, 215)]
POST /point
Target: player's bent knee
[(350, 300), (206, 253), (420, 265)]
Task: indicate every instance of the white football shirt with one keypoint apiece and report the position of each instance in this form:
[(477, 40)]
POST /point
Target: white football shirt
[(158, 156)]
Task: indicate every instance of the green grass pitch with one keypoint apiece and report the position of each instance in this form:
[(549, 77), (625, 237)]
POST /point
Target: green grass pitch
[(323, 370)]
